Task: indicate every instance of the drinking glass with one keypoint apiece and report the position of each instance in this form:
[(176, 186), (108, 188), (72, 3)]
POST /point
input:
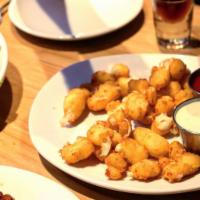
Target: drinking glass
[(173, 21)]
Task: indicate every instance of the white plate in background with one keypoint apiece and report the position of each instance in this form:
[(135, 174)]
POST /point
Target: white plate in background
[(3, 58), (48, 137), (72, 19), (23, 185)]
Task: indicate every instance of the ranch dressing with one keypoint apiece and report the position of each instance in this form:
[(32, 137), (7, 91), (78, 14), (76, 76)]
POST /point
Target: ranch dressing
[(188, 116)]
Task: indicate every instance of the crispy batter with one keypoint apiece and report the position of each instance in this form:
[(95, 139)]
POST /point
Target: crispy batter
[(164, 104), (136, 106), (171, 90), (106, 93), (99, 134), (74, 105), (186, 164), (140, 85), (132, 150), (159, 78), (118, 120), (113, 173), (162, 124), (123, 83), (176, 149), (145, 170), (156, 145), (80, 150), (183, 95), (151, 95), (120, 70), (116, 160), (101, 77), (177, 69)]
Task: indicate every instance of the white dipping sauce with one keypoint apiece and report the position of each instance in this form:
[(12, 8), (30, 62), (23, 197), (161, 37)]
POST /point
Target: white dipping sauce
[(188, 116)]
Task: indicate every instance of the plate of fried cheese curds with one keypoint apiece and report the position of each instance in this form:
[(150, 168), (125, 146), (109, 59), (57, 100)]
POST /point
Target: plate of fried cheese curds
[(108, 122)]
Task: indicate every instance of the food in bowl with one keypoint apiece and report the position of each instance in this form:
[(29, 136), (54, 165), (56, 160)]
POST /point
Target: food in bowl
[(187, 118), (5, 196), (143, 151), (194, 82)]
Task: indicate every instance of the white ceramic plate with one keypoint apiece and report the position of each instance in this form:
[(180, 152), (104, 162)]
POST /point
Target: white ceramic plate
[(48, 137), (72, 19), (3, 58), (23, 185)]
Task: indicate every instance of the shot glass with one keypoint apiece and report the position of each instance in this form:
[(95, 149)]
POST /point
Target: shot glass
[(173, 21)]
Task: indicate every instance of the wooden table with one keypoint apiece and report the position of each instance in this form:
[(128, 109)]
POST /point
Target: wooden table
[(32, 61)]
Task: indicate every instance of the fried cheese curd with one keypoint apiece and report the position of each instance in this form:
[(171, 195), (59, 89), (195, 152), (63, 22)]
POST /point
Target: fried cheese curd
[(131, 150), (145, 170), (123, 83), (136, 106), (140, 85), (101, 77), (116, 166), (121, 141), (81, 149), (74, 105), (105, 93), (162, 124), (156, 145), (100, 135), (120, 70), (159, 78), (186, 164), (164, 104), (176, 67), (117, 118)]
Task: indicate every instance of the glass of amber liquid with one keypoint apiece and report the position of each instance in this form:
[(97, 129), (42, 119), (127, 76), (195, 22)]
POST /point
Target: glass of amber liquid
[(173, 21)]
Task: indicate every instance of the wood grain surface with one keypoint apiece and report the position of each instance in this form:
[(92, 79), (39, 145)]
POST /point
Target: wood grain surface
[(32, 61)]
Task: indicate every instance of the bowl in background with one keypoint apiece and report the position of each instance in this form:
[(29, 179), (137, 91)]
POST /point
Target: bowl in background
[(194, 82), (3, 58)]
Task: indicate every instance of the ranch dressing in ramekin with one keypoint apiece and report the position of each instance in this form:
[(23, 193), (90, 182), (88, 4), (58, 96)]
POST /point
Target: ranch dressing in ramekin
[(188, 116)]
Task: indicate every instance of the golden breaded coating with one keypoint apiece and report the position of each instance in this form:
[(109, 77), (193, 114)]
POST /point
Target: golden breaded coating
[(113, 173), (164, 161), (140, 85), (151, 95), (136, 106), (164, 104), (120, 70), (106, 93), (99, 134), (80, 150), (145, 170), (116, 160), (159, 78), (118, 120), (132, 150), (183, 95), (101, 77), (156, 145), (177, 69), (171, 90), (176, 149), (186, 164), (74, 105), (112, 106), (149, 117), (162, 124), (116, 138), (123, 83)]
